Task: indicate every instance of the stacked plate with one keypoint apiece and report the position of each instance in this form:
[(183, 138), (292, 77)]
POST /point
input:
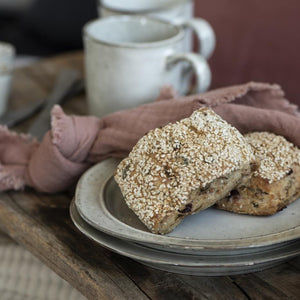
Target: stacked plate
[(210, 243)]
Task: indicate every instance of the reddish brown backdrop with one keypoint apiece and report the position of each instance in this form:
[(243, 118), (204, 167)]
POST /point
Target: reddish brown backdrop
[(256, 40)]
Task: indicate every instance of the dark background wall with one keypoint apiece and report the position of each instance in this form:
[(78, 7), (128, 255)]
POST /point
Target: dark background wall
[(256, 40)]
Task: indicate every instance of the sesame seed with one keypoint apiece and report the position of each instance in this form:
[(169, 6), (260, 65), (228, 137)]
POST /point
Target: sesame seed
[(274, 154), (178, 159)]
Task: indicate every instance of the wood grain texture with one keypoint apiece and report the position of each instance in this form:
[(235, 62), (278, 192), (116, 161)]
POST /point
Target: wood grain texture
[(42, 224)]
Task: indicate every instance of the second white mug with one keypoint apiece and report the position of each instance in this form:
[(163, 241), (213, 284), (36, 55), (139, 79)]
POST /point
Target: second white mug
[(178, 12)]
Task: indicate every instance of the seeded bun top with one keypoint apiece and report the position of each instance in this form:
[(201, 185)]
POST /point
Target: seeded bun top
[(275, 154), (168, 163)]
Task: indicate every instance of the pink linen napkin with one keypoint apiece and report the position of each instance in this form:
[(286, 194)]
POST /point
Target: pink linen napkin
[(74, 143)]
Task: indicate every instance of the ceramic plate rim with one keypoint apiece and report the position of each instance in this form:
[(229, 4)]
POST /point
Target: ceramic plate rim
[(191, 260), (127, 232)]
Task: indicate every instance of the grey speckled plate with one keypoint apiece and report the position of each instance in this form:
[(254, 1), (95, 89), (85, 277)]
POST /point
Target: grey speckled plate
[(100, 203), (216, 265)]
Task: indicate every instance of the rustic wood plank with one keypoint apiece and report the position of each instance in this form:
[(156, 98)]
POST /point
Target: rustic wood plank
[(46, 230), (283, 277), (256, 288), (295, 263), (215, 287), (158, 284), (163, 285)]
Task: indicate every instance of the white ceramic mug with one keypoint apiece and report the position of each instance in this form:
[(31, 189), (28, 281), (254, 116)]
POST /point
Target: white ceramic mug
[(178, 12), (129, 58)]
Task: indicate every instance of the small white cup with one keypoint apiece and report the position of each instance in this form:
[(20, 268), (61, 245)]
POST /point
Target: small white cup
[(7, 53), (129, 58)]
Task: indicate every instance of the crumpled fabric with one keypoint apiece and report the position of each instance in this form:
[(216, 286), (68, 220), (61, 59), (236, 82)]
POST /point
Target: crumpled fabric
[(74, 143)]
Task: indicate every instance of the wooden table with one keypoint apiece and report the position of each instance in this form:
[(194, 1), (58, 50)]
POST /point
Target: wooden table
[(42, 224)]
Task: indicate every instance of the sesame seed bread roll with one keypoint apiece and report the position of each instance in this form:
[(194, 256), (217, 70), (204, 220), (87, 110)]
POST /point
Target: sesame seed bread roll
[(274, 183), (183, 168)]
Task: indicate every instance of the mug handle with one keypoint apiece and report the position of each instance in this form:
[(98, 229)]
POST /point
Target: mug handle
[(204, 33), (199, 66)]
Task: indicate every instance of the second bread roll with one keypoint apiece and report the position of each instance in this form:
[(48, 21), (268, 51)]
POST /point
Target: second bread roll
[(274, 183)]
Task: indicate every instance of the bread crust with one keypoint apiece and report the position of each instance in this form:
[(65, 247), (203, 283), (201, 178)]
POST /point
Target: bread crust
[(182, 168), (274, 183)]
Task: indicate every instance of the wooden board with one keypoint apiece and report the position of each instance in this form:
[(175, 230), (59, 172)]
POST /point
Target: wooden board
[(42, 224)]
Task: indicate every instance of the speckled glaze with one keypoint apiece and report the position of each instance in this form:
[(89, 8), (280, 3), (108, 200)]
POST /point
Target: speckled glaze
[(129, 58)]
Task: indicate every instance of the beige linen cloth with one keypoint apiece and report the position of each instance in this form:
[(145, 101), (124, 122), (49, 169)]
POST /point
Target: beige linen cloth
[(74, 143)]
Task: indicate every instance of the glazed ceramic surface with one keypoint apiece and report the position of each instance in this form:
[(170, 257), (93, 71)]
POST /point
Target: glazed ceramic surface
[(203, 265), (129, 58), (209, 232)]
